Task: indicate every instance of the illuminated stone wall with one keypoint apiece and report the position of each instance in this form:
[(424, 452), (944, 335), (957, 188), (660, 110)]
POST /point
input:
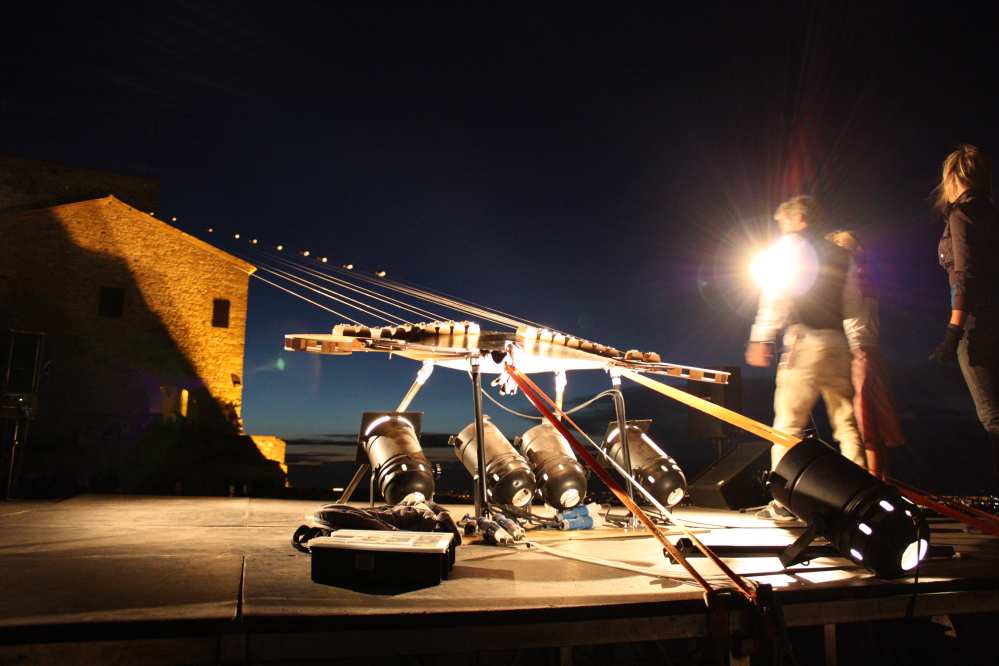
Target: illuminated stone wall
[(271, 448), (105, 371)]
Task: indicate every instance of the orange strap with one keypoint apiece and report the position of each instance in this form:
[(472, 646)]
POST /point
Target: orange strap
[(533, 392), (718, 411)]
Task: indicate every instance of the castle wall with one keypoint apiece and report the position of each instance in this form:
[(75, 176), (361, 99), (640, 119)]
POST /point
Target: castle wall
[(61, 271)]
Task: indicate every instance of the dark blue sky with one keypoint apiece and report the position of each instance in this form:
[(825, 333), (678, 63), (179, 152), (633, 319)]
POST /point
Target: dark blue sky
[(603, 168)]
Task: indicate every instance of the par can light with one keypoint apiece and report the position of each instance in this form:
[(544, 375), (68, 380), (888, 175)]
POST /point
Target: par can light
[(509, 479), (559, 477), (654, 470), (390, 443), (869, 522)]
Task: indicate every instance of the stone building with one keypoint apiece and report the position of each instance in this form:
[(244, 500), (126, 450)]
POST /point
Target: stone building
[(144, 331)]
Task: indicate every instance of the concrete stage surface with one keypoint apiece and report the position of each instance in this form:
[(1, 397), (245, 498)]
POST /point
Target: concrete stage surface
[(200, 580)]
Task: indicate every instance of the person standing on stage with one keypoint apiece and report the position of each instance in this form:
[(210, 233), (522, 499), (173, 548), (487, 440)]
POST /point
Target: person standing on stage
[(967, 252), (873, 400), (807, 304)]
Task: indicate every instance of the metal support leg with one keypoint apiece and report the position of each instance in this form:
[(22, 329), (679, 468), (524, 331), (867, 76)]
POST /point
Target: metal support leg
[(622, 425), (349, 490), (560, 382), (481, 504), (829, 633), (13, 453)]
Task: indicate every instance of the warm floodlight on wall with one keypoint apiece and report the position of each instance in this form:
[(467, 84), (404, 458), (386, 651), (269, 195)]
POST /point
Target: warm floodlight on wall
[(654, 470), (869, 522), (390, 443), (509, 479), (559, 477)]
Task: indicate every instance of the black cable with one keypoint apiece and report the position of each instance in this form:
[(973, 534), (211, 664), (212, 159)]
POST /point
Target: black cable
[(518, 512)]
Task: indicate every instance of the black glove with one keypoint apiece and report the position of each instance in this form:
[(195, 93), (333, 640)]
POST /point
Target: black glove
[(946, 351)]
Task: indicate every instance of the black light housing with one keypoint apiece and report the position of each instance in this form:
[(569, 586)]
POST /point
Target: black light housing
[(559, 477), (509, 479), (390, 443), (869, 522), (656, 471)]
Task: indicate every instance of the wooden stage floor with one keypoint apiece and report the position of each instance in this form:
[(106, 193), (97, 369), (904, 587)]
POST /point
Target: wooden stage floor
[(197, 580)]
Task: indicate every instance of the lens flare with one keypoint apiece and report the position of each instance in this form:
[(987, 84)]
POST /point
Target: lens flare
[(788, 267)]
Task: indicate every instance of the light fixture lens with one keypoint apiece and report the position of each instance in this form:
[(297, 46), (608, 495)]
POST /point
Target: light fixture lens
[(910, 558), (521, 497), (414, 497), (675, 497), (569, 498)]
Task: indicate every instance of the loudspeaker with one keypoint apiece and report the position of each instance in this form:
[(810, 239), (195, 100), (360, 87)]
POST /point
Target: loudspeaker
[(729, 396), (20, 362), (736, 481)]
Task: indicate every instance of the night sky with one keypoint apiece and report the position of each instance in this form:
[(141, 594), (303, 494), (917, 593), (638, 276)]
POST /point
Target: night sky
[(607, 169)]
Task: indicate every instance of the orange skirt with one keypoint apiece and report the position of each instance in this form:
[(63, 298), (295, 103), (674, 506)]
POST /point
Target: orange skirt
[(873, 401)]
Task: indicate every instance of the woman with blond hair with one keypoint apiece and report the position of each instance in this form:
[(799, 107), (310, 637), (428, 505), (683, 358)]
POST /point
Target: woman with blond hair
[(967, 252), (873, 399)]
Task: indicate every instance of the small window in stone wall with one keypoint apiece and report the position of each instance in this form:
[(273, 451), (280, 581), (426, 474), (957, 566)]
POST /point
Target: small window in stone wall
[(220, 313), (112, 302)]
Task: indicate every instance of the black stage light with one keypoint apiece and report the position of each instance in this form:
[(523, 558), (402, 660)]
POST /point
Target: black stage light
[(869, 522), (509, 479), (560, 480), (655, 471), (390, 443)]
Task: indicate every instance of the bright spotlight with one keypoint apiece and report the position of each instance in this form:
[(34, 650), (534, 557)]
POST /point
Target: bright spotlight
[(655, 471), (869, 522), (789, 266), (509, 479), (390, 443), (560, 480)]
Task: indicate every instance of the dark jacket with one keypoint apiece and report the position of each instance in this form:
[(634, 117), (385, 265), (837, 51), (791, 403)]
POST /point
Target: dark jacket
[(821, 306), (969, 249)]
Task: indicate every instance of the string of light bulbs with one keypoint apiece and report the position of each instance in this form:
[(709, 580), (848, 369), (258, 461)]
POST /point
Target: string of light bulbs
[(306, 274)]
